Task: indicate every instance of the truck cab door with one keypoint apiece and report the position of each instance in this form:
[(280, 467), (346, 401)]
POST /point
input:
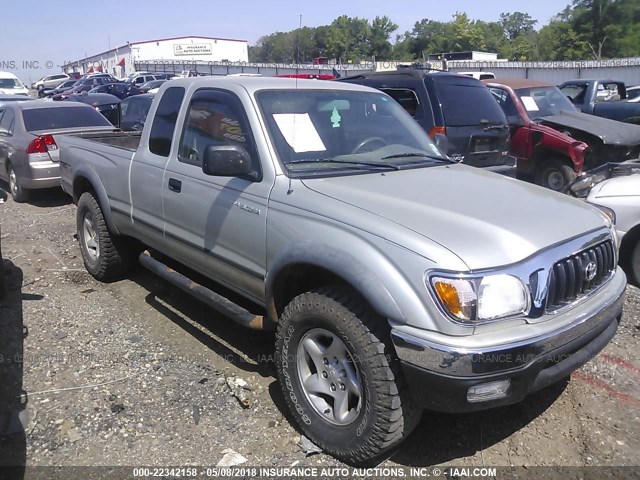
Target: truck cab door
[(147, 170), (218, 223)]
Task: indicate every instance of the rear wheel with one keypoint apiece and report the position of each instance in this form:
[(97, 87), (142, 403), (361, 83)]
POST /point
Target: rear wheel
[(18, 193), (555, 174), (340, 377), (105, 257)]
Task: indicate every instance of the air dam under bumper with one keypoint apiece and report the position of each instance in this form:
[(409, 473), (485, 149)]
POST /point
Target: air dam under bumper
[(528, 366)]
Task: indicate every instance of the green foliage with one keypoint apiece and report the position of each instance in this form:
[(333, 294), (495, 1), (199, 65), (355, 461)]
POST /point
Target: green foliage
[(585, 29)]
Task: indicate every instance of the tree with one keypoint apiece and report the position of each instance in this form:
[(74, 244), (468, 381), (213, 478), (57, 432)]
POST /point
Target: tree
[(516, 24), (379, 33)]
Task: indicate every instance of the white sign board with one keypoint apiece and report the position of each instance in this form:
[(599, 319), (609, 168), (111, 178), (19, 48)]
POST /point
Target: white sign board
[(191, 49)]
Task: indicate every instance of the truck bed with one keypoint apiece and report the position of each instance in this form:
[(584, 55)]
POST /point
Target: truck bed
[(124, 140)]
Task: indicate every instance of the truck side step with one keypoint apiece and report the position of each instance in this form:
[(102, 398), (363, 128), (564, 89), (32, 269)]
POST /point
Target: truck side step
[(214, 300)]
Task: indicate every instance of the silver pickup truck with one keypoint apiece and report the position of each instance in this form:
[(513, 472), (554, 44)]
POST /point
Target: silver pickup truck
[(395, 278)]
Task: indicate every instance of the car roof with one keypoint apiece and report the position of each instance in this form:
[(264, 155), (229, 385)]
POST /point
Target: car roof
[(404, 73), (101, 98), (7, 75), (516, 83), (142, 95), (44, 104), (253, 84)]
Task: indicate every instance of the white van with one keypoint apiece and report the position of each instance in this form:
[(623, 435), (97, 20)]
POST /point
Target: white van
[(11, 85), (479, 75)]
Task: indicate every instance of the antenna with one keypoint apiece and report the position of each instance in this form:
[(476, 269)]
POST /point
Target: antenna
[(290, 190)]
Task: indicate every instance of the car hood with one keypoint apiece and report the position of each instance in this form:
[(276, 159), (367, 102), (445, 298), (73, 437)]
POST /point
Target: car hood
[(611, 132), (628, 186), (486, 219)]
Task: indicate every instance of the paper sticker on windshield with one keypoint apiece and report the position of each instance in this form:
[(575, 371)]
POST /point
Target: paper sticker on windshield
[(299, 132), (530, 104)]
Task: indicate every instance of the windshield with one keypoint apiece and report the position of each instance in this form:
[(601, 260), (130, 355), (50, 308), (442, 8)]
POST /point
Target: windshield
[(544, 101), (11, 83), (337, 132)]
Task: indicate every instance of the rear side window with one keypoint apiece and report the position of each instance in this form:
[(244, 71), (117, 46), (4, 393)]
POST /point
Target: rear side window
[(405, 97), (164, 122), (6, 122), (467, 102), (54, 118)]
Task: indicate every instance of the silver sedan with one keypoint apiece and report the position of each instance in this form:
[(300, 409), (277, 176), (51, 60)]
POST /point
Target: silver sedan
[(28, 150), (622, 195)]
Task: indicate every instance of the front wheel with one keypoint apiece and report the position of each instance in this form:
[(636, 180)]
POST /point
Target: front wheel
[(105, 257), (555, 174), (340, 377), (634, 266)]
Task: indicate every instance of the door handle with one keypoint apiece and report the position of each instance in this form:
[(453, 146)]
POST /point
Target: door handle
[(175, 185)]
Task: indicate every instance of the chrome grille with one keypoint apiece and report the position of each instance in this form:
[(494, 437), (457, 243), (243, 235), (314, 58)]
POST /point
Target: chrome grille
[(577, 275)]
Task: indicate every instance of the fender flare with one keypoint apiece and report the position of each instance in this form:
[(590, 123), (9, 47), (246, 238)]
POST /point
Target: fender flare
[(340, 263), (103, 200)]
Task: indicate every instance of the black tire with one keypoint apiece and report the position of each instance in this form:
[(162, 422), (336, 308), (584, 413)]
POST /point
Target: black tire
[(387, 412), (112, 257), (18, 192), (555, 174), (634, 265)]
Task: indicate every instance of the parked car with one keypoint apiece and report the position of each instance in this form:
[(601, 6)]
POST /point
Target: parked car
[(621, 193), (83, 85), (133, 112), (3, 198), (150, 85), (28, 151), (394, 277), (120, 90), (107, 76), (551, 140), (63, 87), (107, 105), (140, 80), (603, 98), (50, 81), (479, 75), (11, 85), (460, 107)]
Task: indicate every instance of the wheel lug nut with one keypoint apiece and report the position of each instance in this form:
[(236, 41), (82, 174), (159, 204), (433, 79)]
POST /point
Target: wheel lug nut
[(325, 361), (327, 411), (342, 387), (333, 387), (324, 375)]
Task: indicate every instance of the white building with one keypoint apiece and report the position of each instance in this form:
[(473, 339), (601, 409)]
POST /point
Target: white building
[(121, 61)]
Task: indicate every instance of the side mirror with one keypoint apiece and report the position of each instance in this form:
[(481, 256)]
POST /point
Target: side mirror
[(442, 142), (3, 196), (228, 161)]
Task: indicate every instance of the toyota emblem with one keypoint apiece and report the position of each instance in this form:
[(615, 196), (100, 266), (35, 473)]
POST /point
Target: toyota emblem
[(590, 271)]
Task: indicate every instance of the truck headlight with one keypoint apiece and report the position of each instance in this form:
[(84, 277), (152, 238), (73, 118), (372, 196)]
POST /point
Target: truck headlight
[(473, 300)]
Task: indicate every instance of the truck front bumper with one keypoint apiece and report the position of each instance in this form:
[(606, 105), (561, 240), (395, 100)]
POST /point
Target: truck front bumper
[(440, 377)]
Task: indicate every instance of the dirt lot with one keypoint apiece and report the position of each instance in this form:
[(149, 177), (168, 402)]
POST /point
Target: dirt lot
[(135, 373)]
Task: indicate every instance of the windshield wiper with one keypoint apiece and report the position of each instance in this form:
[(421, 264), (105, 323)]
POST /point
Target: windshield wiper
[(413, 154), (353, 162)]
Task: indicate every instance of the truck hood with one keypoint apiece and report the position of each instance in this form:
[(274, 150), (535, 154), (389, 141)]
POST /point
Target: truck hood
[(611, 132), (486, 219)]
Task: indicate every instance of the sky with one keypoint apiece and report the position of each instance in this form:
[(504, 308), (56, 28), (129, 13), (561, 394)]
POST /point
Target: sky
[(37, 37)]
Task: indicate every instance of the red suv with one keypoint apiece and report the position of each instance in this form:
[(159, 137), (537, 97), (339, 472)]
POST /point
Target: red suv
[(551, 140)]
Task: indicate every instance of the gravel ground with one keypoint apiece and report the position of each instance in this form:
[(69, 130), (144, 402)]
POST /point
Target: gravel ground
[(135, 373)]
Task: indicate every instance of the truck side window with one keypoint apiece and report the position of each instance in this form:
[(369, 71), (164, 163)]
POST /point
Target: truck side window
[(164, 121), (211, 120)]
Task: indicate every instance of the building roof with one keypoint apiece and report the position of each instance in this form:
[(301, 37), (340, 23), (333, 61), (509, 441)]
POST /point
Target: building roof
[(516, 83), (129, 44)]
